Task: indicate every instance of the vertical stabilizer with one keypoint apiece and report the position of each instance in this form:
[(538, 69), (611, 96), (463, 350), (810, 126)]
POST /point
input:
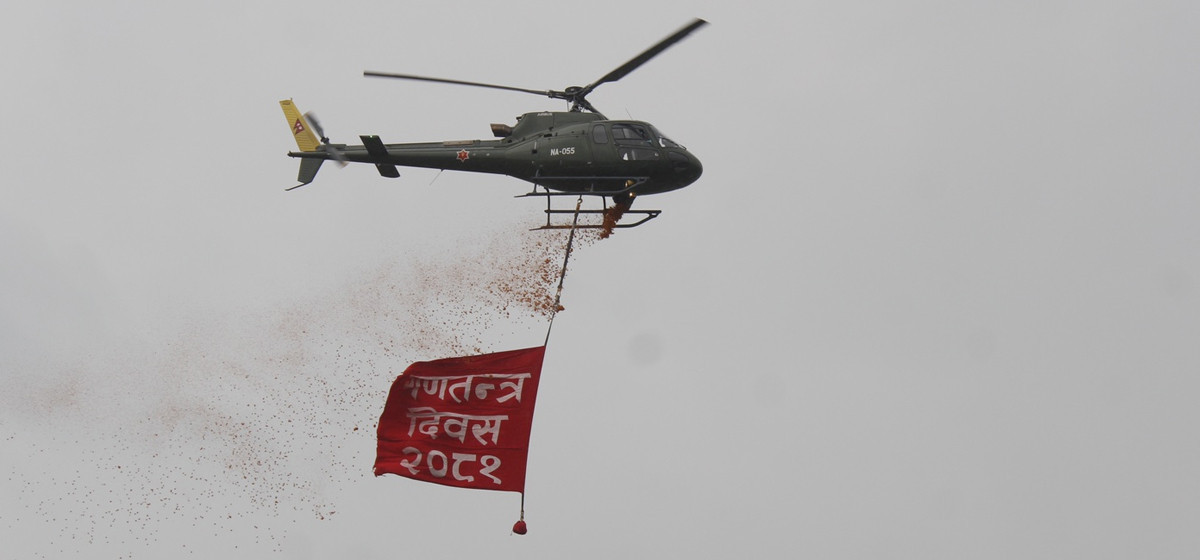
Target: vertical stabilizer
[(305, 139)]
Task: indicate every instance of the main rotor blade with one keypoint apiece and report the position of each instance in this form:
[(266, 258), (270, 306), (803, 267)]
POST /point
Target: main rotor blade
[(459, 82), (649, 53)]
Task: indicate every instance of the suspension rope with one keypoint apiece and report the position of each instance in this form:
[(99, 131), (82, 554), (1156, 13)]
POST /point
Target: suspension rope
[(563, 275), (520, 528)]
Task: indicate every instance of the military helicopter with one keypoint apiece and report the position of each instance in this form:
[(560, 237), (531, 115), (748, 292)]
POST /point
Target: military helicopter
[(563, 153)]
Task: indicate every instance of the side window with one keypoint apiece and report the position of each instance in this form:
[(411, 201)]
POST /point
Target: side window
[(638, 154), (598, 134)]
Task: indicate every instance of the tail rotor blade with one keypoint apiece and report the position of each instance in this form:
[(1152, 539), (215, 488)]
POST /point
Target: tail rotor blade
[(336, 154), (316, 124), (333, 152)]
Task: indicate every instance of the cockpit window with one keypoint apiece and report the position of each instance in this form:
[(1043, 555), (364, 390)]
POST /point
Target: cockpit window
[(598, 134), (632, 132)]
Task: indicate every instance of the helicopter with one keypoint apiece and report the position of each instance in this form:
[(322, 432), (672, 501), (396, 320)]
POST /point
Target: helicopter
[(572, 153)]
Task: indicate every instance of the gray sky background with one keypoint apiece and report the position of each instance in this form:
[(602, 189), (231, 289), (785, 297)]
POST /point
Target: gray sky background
[(934, 297)]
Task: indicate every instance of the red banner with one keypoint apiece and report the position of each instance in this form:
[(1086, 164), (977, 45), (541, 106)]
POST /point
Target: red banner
[(462, 421)]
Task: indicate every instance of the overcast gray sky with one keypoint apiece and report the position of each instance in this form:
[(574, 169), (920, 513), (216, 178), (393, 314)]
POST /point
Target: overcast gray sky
[(935, 295)]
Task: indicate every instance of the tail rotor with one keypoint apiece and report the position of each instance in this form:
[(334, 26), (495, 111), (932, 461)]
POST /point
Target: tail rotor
[(330, 149)]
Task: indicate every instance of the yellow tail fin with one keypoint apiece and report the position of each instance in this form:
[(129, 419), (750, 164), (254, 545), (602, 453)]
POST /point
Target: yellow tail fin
[(305, 138)]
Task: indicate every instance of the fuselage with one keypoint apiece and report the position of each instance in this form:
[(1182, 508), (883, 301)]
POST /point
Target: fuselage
[(564, 151)]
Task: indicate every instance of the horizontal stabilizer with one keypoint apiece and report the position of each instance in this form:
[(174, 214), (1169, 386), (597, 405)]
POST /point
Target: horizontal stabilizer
[(379, 152), (374, 146)]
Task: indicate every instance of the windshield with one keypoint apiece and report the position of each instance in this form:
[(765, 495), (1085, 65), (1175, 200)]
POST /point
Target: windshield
[(667, 142), (640, 134)]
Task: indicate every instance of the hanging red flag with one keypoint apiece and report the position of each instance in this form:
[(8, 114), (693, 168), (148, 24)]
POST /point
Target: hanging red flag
[(462, 421)]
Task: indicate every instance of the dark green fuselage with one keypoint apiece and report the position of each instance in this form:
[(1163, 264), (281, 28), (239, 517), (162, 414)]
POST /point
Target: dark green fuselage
[(563, 151)]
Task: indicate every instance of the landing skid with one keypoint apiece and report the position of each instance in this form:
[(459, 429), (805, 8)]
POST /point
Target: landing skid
[(647, 215), (610, 215)]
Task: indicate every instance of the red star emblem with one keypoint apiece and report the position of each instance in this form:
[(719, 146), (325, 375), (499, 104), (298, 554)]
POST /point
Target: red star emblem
[(298, 127), (463, 155)]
